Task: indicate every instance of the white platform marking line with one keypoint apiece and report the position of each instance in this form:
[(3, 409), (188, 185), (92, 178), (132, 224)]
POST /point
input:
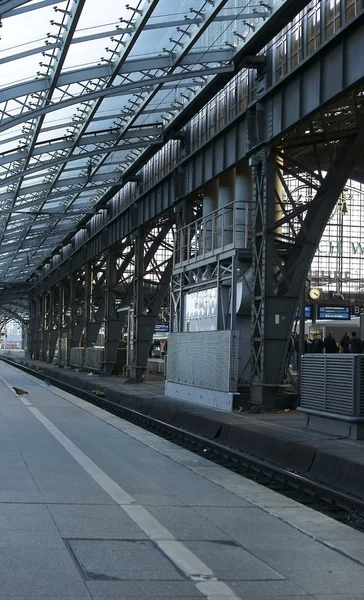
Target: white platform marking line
[(151, 527), (109, 485), (178, 554), (184, 559)]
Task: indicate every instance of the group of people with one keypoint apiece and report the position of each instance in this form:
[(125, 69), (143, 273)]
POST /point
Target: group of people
[(316, 345), (348, 344)]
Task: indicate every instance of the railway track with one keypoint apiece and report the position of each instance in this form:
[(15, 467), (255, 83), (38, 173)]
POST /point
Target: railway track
[(332, 502)]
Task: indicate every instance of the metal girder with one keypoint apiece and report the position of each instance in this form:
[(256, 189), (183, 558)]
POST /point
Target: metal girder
[(13, 315), (110, 91), (129, 30), (9, 8), (221, 155), (176, 63), (46, 165), (51, 146), (138, 26), (194, 30), (280, 16), (69, 22), (112, 177), (9, 5), (105, 71), (280, 270)]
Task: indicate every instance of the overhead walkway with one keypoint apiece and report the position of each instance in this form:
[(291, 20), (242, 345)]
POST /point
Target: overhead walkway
[(94, 507)]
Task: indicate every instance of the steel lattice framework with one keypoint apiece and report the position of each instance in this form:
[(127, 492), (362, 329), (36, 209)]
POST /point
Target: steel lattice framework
[(75, 115)]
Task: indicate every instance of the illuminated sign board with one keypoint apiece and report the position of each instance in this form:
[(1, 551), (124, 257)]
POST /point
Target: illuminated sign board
[(161, 329), (334, 313), (308, 312)]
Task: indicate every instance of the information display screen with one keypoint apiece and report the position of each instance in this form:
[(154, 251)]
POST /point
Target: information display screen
[(161, 329), (334, 313), (308, 312)]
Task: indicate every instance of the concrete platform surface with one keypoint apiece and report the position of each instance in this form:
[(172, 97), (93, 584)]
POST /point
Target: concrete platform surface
[(94, 507), (281, 439)]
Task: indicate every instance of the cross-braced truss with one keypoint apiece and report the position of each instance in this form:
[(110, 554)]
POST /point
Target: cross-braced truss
[(75, 114), (319, 155)]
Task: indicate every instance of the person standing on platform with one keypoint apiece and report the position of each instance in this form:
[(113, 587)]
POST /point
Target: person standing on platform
[(330, 344), (345, 343), (355, 343), (317, 344)]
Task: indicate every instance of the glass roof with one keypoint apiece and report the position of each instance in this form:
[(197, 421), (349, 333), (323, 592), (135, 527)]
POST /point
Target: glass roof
[(82, 84)]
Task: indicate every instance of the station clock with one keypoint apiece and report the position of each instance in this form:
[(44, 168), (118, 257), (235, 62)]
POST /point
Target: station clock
[(314, 293)]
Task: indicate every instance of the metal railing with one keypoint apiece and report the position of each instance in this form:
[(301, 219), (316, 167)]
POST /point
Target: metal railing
[(223, 229)]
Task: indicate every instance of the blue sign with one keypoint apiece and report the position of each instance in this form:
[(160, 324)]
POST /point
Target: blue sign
[(161, 329), (308, 312), (334, 313)]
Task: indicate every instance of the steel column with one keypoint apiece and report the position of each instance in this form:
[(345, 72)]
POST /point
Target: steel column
[(114, 320), (45, 327), (147, 304), (31, 350), (281, 262), (38, 326), (54, 316), (87, 305), (75, 326), (61, 323)]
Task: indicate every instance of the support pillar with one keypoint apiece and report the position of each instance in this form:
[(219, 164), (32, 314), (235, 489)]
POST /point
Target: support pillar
[(139, 333), (31, 349), (209, 205), (38, 327), (146, 307), (44, 326), (114, 321), (280, 271), (75, 327), (61, 322), (53, 327), (225, 218), (87, 306), (243, 204)]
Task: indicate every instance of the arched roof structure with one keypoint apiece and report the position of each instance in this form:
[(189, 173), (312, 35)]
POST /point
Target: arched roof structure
[(85, 88)]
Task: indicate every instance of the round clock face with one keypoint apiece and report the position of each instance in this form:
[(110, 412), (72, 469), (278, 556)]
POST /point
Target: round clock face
[(315, 293)]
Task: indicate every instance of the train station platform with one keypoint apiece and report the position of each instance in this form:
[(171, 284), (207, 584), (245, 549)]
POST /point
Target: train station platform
[(92, 506), (278, 438)]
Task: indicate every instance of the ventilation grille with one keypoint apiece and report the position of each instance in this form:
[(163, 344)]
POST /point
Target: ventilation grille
[(329, 383), (361, 387)]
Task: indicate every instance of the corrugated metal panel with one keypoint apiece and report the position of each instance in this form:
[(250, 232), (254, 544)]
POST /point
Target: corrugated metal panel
[(313, 382), (191, 363), (76, 357), (340, 384), (328, 383), (94, 358), (361, 387)]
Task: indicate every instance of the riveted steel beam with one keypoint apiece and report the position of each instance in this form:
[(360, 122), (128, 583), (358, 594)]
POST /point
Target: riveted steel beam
[(280, 269)]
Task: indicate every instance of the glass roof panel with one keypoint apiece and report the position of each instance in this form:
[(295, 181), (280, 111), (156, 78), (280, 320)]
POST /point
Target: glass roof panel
[(77, 80)]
